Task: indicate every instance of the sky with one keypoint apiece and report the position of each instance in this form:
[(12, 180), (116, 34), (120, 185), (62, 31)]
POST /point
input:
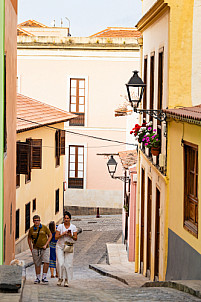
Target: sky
[(86, 16)]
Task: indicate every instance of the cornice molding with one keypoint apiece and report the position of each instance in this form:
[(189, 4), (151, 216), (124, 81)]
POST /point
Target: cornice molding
[(140, 40), (155, 12), (183, 119)]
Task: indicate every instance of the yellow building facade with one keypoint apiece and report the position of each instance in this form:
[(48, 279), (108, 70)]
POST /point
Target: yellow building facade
[(41, 190), (184, 217), (166, 69)]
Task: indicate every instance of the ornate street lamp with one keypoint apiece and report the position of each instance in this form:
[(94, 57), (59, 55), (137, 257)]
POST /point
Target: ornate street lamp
[(112, 166), (135, 88)]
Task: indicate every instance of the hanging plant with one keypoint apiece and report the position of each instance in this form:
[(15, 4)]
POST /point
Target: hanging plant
[(140, 131), (147, 135), (151, 139)]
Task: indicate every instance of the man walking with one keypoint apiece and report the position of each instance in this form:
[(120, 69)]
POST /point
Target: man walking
[(39, 237)]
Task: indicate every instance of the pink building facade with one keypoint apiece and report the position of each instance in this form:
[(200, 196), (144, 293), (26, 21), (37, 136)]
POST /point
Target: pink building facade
[(85, 76)]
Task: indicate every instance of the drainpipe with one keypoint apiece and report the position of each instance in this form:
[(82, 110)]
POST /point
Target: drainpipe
[(2, 49)]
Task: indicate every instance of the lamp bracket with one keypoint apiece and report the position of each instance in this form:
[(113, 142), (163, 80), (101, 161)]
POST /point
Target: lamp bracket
[(157, 114), (122, 178)]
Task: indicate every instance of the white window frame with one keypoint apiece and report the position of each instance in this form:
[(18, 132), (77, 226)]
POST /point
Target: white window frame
[(86, 78), (85, 163)]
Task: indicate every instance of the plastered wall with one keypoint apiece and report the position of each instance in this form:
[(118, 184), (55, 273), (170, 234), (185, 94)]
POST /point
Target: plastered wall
[(44, 182)]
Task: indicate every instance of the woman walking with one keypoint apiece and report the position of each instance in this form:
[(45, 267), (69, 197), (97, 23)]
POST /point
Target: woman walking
[(52, 262), (66, 234)]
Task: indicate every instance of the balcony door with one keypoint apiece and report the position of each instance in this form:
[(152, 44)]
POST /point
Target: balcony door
[(77, 101), (76, 167)]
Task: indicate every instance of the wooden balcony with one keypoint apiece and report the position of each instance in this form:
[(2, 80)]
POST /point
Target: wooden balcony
[(75, 183), (77, 121)]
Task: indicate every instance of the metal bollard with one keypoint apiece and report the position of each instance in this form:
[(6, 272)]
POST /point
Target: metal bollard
[(97, 213)]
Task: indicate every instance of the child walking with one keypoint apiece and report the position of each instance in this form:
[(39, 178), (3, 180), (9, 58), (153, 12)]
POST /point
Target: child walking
[(52, 262)]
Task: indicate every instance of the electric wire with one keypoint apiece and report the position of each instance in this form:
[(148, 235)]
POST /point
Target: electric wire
[(76, 133), (66, 147)]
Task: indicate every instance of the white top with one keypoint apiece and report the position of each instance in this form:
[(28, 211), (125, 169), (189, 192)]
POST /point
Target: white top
[(61, 228)]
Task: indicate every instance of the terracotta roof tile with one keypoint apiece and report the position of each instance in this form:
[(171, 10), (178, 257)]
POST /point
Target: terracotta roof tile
[(31, 23), (22, 32), (191, 113), (128, 158), (34, 114), (118, 32)]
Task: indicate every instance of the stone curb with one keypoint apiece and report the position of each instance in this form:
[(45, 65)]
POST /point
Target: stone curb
[(174, 285), (170, 284), (106, 273)]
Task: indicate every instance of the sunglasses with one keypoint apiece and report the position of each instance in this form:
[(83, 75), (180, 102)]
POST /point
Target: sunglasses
[(36, 219)]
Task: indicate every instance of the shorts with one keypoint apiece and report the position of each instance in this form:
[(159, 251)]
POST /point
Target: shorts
[(41, 255)]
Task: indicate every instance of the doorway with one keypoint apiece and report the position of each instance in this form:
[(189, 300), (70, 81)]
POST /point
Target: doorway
[(149, 211), (142, 221), (157, 236)]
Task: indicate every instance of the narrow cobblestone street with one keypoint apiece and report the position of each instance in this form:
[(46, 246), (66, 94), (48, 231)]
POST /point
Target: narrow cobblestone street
[(89, 285)]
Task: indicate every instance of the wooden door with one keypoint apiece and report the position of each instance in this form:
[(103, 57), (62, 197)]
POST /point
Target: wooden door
[(142, 220), (149, 211), (157, 235)]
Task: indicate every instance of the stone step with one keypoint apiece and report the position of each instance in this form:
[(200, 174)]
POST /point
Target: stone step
[(10, 278)]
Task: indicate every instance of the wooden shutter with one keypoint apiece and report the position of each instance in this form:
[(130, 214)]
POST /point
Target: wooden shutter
[(57, 147), (191, 188), (23, 157), (36, 146), (62, 142), (57, 143), (145, 89), (151, 105)]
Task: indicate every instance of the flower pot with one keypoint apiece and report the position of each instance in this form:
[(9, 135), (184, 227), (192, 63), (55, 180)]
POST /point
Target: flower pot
[(155, 151)]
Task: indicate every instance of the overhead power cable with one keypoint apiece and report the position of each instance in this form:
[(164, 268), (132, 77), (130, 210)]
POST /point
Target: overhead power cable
[(76, 133), (85, 147)]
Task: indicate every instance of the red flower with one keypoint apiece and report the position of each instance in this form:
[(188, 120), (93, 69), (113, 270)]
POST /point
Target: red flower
[(135, 130)]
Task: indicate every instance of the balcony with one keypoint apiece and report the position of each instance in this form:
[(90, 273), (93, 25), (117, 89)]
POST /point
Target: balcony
[(77, 121), (75, 183), (158, 161)]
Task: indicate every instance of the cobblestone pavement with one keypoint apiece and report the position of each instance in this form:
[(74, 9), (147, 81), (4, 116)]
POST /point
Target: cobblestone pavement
[(89, 285)]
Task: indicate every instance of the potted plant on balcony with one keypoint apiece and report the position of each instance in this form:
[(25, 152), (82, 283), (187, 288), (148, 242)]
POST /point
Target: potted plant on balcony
[(140, 131), (152, 141)]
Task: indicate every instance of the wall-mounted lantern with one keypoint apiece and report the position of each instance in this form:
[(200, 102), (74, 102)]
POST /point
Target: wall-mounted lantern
[(135, 88), (112, 166)]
